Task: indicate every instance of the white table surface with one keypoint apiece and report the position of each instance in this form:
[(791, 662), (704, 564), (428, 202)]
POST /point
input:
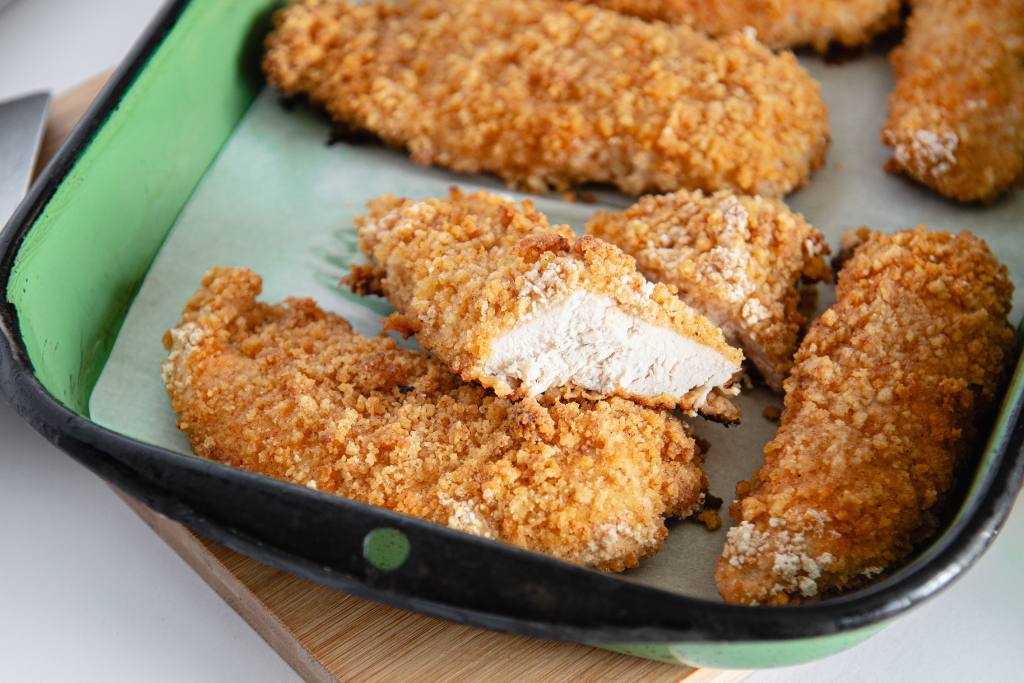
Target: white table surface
[(88, 592)]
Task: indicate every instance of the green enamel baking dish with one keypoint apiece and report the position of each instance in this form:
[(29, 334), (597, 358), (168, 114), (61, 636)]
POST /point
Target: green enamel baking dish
[(73, 257)]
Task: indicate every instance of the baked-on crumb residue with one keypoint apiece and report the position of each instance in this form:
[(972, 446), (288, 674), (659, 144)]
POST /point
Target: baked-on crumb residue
[(778, 23), (523, 307), (293, 392), (737, 259), (891, 389), (550, 94), (956, 117)]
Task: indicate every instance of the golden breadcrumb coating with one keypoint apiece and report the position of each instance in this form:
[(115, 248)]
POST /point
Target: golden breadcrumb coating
[(891, 388), (465, 271), (779, 23), (293, 392), (956, 117), (736, 259), (548, 94)]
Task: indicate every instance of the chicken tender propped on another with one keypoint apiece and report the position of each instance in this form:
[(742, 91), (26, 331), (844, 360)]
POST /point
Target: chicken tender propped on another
[(956, 117), (550, 94), (891, 390), (293, 392), (524, 307), (779, 23), (737, 259)]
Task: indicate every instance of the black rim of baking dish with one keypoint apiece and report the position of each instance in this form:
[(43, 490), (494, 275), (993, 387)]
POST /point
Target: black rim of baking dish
[(447, 573)]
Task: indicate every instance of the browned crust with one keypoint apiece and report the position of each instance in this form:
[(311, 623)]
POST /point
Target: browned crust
[(891, 390), (550, 94), (292, 392), (462, 271), (778, 23), (956, 117), (737, 259)]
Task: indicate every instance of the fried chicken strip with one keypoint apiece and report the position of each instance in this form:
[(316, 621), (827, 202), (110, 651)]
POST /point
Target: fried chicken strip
[(891, 390), (293, 392), (547, 94), (736, 259), (779, 23), (523, 307), (956, 117)]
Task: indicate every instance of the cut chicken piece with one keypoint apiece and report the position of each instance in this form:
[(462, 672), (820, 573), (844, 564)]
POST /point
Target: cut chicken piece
[(550, 94), (778, 23), (891, 392), (526, 308), (736, 259), (293, 392)]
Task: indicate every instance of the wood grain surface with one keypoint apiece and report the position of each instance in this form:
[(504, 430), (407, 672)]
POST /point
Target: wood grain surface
[(326, 635)]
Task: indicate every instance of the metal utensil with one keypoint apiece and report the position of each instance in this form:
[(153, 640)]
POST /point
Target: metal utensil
[(22, 122)]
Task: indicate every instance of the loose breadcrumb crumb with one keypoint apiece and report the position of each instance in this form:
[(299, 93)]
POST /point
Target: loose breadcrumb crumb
[(293, 392), (736, 259), (777, 23), (549, 94), (891, 388), (956, 117), (709, 518), (466, 271)]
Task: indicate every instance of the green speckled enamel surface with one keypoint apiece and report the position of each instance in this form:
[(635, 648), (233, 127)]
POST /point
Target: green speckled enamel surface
[(84, 258), (747, 655), (386, 548)]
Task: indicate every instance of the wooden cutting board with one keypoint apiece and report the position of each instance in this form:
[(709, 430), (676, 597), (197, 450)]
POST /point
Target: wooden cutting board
[(327, 635)]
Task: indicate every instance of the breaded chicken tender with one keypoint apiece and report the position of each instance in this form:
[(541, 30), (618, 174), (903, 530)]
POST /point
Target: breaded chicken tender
[(549, 94), (736, 259), (956, 117), (891, 390), (779, 23), (293, 392), (523, 307)]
